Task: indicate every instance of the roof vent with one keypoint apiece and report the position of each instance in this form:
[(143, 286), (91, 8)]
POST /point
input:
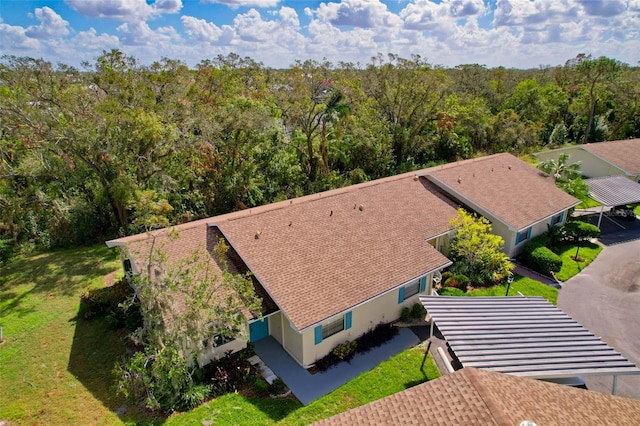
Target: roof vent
[(361, 208), (331, 213), (290, 222), (459, 180), (509, 167), (258, 234), (415, 177)]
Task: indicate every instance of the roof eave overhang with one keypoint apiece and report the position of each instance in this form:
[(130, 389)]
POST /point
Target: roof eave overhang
[(384, 293)]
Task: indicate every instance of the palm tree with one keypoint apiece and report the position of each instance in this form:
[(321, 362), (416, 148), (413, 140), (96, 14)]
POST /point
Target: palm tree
[(561, 170)]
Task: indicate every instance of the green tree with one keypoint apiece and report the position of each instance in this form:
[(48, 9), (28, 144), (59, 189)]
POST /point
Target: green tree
[(566, 175), (408, 94), (187, 307), (476, 252)]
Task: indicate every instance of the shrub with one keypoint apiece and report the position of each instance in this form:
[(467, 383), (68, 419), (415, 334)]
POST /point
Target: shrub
[(277, 387), (373, 338), (578, 231), (227, 374), (105, 300), (6, 249), (345, 351), (417, 311), (446, 275), (450, 291), (459, 281), (538, 257), (260, 386), (405, 314)]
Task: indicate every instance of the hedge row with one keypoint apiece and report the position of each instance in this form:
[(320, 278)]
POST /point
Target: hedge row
[(538, 257)]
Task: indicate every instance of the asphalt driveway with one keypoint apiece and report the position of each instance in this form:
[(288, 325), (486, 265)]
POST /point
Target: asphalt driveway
[(605, 298)]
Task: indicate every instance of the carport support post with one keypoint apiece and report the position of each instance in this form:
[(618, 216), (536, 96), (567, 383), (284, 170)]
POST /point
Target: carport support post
[(600, 217), (615, 385)]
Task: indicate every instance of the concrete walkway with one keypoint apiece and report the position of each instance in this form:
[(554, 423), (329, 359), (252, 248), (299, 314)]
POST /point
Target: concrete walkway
[(308, 387), (526, 272)]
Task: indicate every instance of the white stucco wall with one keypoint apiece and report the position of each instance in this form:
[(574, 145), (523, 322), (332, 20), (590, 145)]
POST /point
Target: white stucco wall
[(363, 318), (590, 165), (220, 351)]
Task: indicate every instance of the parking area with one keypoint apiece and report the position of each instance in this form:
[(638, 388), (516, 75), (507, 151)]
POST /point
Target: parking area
[(614, 230), (605, 298)]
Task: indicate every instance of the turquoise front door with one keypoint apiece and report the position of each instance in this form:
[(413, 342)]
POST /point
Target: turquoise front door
[(258, 330)]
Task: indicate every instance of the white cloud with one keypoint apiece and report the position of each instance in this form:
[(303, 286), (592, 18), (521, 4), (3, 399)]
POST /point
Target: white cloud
[(203, 31), (91, 40), (525, 12), (124, 10), (140, 34), (358, 13), (15, 41), (168, 6), (428, 15), (234, 4), (605, 8), (51, 25), (289, 16)]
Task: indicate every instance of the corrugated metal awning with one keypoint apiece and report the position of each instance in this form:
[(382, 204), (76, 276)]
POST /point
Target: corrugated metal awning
[(523, 336), (614, 190)]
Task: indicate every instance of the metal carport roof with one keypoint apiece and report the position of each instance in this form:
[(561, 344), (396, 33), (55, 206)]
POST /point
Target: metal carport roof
[(523, 336), (614, 190)]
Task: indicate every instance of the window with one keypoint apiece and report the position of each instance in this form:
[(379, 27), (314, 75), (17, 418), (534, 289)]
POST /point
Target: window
[(557, 219), (332, 327), (523, 235), (411, 289)]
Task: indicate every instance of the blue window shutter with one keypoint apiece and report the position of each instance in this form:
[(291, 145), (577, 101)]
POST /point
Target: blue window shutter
[(401, 295), (561, 217), (423, 284), (528, 233), (347, 321), (318, 334)]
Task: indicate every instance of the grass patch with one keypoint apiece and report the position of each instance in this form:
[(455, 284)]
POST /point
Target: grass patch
[(394, 375), (636, 210), (588, 252), (588, 202), (55, 367), (524, 285)]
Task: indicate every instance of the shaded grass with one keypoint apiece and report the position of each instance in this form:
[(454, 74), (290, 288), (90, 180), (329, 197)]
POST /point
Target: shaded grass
[(393, 375), (588, 202), (524, 285), (588, 252), (55, 368)]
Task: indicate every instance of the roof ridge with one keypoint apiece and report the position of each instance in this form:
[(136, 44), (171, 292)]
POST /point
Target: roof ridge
[(446, 166), (483, 390)]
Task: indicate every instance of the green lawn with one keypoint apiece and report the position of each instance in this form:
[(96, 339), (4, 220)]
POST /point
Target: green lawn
[(391, 376), (588, 202), (588, 252), (521, 284), (56, 367)]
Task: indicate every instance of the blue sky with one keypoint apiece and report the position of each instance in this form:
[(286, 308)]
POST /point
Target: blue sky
[(511, 33)]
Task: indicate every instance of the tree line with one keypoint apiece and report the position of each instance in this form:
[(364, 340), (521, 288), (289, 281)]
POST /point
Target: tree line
[(81, 147)]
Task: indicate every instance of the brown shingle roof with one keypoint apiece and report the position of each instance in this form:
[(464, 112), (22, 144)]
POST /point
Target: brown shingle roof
[(479, 397), (624, 154), (182, 242), (323, 254), (505, 186)]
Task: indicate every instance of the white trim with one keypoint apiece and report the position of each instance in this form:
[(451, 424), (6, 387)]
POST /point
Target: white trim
[(251, 321), (384, 293), (114, 243), (549, 217)]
